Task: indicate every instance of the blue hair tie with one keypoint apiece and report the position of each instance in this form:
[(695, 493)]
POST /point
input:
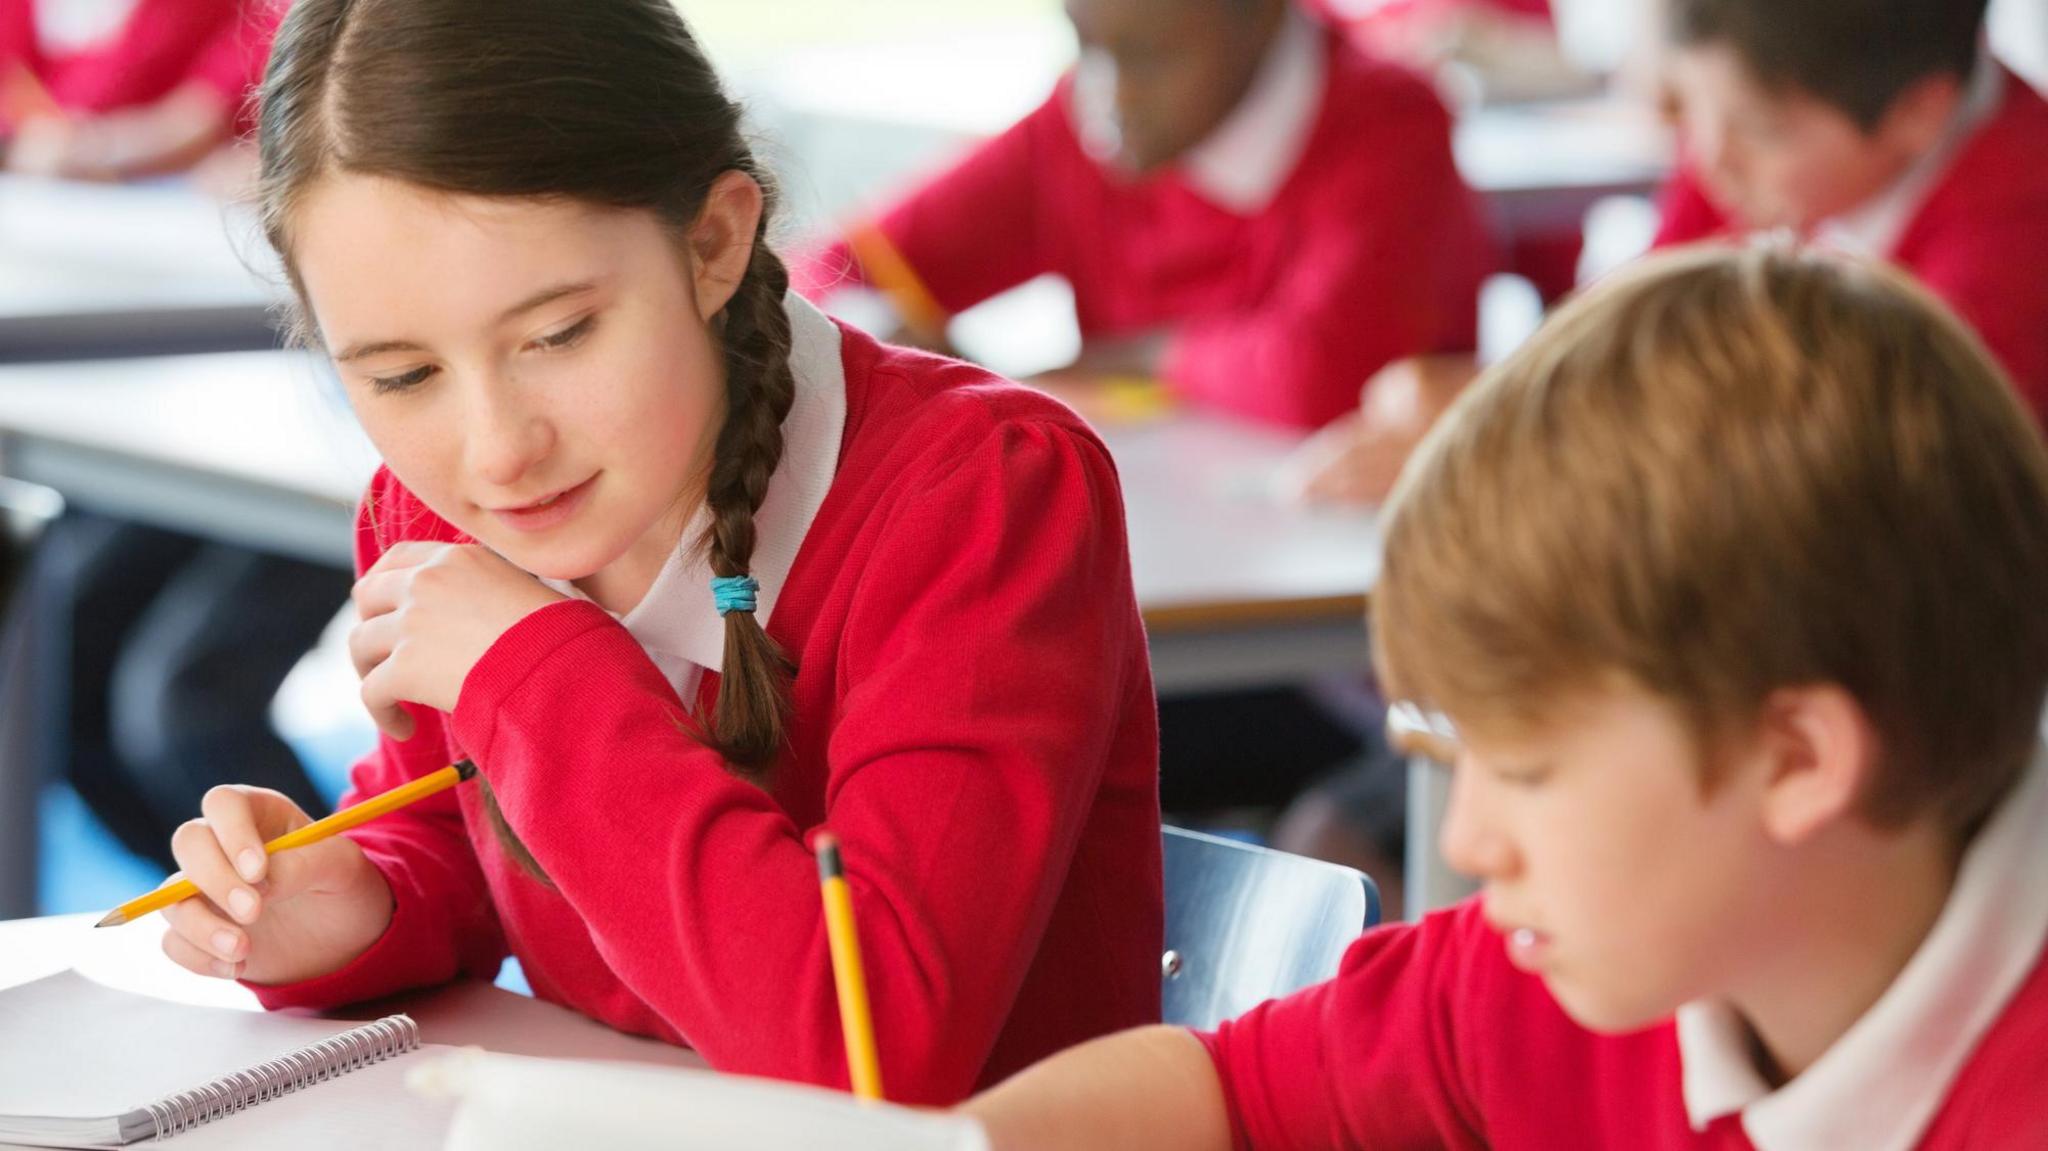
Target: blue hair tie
[(734, 593)]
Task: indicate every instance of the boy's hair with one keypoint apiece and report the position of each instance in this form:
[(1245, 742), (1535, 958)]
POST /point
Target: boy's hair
[(607, 102), (1723, 473), (1857, 55)]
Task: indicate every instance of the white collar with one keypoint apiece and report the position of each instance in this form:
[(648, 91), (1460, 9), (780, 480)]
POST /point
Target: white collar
[(1876, 227), (1880, 1085), (675, 621), (1244, 161)]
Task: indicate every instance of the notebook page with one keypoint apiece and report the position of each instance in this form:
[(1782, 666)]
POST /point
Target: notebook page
[(72, 1048)]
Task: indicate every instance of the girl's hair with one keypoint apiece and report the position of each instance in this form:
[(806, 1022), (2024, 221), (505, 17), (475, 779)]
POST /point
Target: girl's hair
[(1722, 473), (606, 102)]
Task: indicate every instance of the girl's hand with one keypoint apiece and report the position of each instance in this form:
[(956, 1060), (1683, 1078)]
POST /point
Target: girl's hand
[(429, 612), (270, 919)]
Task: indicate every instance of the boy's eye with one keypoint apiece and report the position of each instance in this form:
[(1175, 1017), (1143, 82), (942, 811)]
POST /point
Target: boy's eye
[(567, 336), (1529, 777), (385, 385)]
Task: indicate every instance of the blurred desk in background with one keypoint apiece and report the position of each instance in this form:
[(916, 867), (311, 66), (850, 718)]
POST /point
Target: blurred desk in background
[(851, 125), (96, 270), (259, 448)]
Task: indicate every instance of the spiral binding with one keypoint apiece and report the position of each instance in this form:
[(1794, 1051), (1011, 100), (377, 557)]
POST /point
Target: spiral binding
[(331, 1057)]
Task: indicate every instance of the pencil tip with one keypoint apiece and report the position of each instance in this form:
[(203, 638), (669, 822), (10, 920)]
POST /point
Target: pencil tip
[(113, 919)]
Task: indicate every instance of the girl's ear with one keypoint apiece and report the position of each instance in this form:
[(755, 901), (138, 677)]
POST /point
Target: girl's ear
[(721, 240)]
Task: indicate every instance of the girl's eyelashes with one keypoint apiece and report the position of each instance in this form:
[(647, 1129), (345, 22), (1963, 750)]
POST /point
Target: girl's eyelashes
[(387, 385), (567, 337)]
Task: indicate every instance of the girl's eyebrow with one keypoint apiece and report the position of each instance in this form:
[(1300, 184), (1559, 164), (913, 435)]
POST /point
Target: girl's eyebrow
[(539, 299)]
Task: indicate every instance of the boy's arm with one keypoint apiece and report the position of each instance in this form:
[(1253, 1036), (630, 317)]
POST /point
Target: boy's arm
[(1152, 1087)]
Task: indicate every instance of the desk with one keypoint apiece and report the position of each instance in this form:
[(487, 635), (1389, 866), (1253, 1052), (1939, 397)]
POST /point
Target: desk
[(103, 270), (462, 1014), (853, 122), (259, 449)]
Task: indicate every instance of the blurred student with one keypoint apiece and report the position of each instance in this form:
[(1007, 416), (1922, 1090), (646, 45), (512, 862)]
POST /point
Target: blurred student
[(1729, 583), (1880, 127), (1248, 208), (156, 653)]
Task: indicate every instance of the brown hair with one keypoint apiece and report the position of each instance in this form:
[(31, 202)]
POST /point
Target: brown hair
[(607, 102), (1857, 55), (1723, 473)]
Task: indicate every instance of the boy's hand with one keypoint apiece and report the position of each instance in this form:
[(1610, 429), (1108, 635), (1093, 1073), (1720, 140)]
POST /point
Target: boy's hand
[(270, 919), (429, 612)]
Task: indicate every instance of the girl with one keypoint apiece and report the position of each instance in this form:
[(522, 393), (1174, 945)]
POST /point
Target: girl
[(689, 571)]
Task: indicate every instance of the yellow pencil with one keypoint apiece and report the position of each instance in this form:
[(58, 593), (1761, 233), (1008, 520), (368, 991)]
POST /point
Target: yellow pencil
[(340, 821), (861, 1060), (887, 270)]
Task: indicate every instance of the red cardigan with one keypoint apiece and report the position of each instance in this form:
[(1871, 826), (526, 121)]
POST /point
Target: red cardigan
[(1373, 248), (165, 43), (973, 717), (1979, 241), (1428, 1037)]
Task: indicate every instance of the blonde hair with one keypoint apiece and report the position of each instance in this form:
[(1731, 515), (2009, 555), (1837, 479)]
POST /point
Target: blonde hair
[(1726, 472)]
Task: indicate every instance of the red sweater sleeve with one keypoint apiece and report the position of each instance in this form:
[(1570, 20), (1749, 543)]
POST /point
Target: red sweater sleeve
[(232, 62), (1992, 276), (971, 232), (1379, 1056), (442, 923), (984, 655), (1685, 215), (1392, 268)]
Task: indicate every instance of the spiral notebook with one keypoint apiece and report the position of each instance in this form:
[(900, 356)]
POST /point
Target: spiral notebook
[(85, 1065)]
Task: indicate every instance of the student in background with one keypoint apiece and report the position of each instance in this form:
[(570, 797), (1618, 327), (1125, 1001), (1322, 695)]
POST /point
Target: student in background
[(1880, 127), (1875, 126), (689, 571), (1730, 584), (155, 654), (113, 91), (1248, 209)]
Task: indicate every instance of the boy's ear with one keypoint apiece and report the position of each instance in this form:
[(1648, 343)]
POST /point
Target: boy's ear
[(1822, 753), (721, 240), (1919, 115)]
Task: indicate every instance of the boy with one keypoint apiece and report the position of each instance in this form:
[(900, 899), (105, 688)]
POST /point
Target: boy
[(1880, 127), (1247, 209), (1876, 126), (1730, 582)]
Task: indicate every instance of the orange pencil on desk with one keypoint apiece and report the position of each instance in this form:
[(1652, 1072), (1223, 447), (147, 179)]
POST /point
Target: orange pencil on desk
[(862, 1062), (888, 271), (314, 832)]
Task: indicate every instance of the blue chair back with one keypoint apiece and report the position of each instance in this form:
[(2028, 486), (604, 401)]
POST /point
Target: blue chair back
[(1245, 924)]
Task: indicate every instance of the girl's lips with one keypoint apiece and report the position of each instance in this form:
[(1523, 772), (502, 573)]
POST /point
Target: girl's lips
[(544, 514)]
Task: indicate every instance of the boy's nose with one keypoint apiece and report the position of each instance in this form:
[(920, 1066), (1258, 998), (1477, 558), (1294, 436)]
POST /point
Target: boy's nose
[(1471, 842)]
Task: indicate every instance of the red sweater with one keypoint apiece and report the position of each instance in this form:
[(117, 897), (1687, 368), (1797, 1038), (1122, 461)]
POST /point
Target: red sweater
[(1979, 240), (973, 717), (165, 43), (1429, 1037), (1373, 248)]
